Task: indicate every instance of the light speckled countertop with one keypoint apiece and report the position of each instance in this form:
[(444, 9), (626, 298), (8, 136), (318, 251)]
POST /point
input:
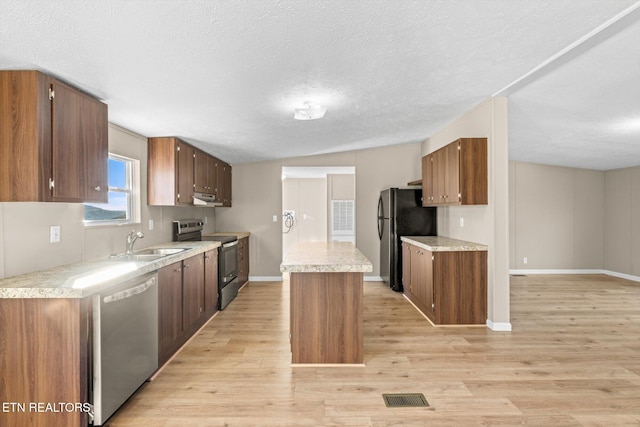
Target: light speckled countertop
[(443, 244), (325, 257), (88, 278), (240, 234)]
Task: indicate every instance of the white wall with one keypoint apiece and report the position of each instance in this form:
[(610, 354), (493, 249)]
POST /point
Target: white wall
[(557, 217), (307, 197), (622, 227)]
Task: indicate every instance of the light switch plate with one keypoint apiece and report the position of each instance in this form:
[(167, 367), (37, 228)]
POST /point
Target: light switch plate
[(54, 234)]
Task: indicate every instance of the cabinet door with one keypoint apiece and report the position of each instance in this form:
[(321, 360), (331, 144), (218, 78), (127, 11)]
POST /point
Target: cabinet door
[(422, 280), (184, 182), (200, 164), (452, 177), (406, 267), (439, 173), (192, 290), (429, 288), (210, 279), (79, 146), (212, 177), (243, 261), (224, 183), (169, 309), (427, 181)]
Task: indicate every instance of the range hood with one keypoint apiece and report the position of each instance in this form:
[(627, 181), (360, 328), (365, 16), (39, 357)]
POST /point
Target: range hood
[(202, 199)]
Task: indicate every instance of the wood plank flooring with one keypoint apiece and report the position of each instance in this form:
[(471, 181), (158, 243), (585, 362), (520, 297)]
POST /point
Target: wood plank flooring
[(572, 359)]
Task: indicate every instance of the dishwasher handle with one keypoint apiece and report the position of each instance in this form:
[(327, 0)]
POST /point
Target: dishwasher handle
[(127, 293)]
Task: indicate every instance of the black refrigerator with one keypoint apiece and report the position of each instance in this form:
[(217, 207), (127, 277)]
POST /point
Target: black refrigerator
[(400, 213)]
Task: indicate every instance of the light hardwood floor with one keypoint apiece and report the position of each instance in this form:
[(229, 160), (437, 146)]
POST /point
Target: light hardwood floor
[(573, 359)]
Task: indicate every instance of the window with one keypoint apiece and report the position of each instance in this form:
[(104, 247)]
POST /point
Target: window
[(119, 209)]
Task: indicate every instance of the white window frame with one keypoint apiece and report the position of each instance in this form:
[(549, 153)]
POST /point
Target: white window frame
[(132, 191)]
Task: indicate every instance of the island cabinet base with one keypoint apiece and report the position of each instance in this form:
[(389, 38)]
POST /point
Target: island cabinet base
[(326, 318)]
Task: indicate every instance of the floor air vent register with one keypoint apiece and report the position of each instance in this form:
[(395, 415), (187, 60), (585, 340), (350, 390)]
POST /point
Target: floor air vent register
[(404, 400)]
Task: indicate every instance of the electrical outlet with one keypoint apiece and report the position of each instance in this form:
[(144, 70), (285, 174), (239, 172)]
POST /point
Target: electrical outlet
[(275, 218), (525, 260), (54, 234), (150, 224), (461, 222), (206, 219)]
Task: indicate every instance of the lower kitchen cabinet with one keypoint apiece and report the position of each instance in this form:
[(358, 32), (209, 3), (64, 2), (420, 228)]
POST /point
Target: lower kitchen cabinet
[(186, 290), (449, 287), (169, 311), (243, 260), (44, 359), (211, 281), (192, 290)]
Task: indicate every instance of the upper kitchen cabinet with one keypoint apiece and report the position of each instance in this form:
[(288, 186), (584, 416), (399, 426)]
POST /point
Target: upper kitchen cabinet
[(456, 174), (177, 170), (204, 172), (170, 169), (53, 141), (223, 193)]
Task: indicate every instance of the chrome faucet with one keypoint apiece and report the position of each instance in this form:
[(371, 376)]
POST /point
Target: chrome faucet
[(131, 239)]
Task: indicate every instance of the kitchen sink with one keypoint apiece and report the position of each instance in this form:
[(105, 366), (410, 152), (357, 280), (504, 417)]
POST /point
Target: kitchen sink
[(147, 255), (160, 251)]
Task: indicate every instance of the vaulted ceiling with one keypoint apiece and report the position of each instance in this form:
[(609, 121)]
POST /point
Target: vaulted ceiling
[(226, 75)]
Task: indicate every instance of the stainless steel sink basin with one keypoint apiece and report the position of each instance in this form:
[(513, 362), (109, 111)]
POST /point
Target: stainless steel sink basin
[(160, 251), (147, 255)]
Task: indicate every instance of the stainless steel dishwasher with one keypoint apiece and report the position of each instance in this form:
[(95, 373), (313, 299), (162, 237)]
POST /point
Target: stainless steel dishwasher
[(125, 343)]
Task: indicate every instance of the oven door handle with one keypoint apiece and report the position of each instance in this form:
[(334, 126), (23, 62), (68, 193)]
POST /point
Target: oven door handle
[(230, 244)]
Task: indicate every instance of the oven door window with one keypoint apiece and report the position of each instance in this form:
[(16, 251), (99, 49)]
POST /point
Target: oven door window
[(230, 262)]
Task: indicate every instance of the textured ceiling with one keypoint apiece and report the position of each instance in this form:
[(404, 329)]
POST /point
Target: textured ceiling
[(226, 75)]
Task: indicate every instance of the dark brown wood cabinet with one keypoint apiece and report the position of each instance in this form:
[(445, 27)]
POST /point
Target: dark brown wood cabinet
[(456, 174), (47, 358), (170, 329), (223, 193), (170, 172), (450, 288), (211, 281), (53, 141), (177, 170), (243, 261), (192, 290), (187, 298), (205, 173)]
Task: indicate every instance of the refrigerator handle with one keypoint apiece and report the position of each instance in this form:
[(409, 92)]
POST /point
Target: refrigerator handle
[(380, 218)]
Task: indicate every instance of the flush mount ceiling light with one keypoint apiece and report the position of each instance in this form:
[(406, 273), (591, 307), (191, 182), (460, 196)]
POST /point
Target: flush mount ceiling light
[(310, 111)]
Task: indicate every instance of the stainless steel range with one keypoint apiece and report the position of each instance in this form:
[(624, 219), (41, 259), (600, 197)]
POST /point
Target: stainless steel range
[(191, 230)]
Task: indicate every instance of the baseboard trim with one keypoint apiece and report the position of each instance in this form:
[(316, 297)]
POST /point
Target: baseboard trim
[(265, 278), (499, 326), (578, 271), (558, 271), (622, 275)]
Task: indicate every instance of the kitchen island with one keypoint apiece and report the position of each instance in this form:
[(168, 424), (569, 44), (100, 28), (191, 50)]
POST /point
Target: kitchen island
[(326, 286)]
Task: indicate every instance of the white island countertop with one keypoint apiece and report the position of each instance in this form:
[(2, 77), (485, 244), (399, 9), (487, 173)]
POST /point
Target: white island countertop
[(443, 244), (325, 257)]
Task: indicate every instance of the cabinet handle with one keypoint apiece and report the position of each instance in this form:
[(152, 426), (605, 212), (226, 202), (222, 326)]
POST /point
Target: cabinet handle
[(97, 188), (178, 270), (185, 266)]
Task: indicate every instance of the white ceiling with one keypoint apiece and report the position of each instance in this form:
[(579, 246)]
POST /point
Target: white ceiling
[(226, 75)]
